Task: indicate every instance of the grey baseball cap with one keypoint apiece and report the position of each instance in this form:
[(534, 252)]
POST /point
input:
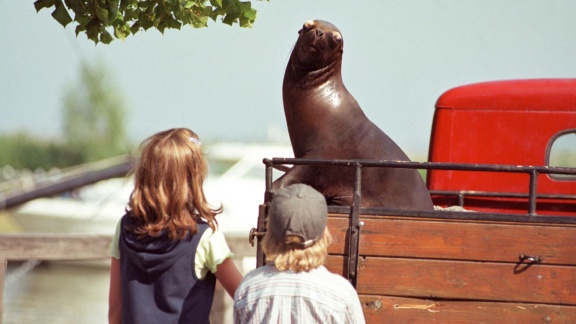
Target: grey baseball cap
[(298, 210)]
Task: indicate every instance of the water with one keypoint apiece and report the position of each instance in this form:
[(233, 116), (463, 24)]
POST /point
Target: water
[(77, 292), (57, 292)]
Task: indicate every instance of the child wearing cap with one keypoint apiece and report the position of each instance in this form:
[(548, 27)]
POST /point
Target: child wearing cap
[(294, 286)]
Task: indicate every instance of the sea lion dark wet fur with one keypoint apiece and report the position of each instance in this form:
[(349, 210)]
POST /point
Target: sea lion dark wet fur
[(325, 121)]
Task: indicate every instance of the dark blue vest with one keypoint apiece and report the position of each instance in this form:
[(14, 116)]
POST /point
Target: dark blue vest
[(159, 284)]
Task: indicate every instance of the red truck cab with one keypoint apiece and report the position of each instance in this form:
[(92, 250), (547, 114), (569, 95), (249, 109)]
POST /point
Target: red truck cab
[(515, 122)]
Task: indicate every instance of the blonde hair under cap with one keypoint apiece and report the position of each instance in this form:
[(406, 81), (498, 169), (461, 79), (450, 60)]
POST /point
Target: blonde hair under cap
[(297, 238)]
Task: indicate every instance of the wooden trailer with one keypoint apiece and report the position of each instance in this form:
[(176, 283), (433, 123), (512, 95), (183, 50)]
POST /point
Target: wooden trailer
[(501, 246), (450, 265)]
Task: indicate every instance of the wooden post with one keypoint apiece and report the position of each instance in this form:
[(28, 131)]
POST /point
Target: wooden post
[(3, 265)]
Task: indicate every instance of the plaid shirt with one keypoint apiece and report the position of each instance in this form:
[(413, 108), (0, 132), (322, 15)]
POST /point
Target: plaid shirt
[(267, 295)]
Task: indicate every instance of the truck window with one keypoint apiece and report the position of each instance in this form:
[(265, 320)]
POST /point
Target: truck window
[(562, 152)]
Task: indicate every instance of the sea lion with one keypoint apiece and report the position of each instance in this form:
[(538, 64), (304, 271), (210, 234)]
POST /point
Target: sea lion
[(325, 122)]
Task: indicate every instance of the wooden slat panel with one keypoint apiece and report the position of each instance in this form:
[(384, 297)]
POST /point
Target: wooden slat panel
[(462, 280), (458, 240), (383, 309), (58, 247), (50, 247)]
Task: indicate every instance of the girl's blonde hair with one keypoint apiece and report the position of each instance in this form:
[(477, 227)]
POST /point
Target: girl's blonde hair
[(288, 257), (168, 182)]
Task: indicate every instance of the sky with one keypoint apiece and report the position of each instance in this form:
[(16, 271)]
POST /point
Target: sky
[(225, 82)]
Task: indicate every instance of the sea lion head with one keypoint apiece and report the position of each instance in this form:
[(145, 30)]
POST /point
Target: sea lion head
[(319, 44)]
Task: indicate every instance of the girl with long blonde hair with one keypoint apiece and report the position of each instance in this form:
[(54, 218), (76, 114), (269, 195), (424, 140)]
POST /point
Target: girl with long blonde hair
[(168, 251)]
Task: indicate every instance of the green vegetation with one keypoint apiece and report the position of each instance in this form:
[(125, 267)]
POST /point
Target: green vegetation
[(102, 20), (94, 118), (23, 151)]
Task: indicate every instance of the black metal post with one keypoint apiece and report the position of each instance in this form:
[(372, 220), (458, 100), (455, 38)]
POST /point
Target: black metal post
[(532, 198), (354, 228)]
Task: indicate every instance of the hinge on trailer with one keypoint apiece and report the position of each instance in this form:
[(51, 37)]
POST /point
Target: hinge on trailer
[(260, 230)]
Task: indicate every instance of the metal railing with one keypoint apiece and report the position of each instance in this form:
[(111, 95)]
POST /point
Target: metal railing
[(355, 210), (532, 171)]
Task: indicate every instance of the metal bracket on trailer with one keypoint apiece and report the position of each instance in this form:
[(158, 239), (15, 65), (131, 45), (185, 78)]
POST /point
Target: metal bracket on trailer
[(354, 230), (260, 230)]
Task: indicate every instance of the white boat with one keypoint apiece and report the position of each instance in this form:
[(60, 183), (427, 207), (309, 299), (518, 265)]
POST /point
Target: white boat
[(96, 209)]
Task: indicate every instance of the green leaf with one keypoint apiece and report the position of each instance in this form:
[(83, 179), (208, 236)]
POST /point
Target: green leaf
[(114, 15), (135, 28), (79, 29), (145, 21), (92, 30), (161, 26), (173, 23), (102, 14), (124, 5), (214, 14), (245, 6), (216, 3), (82, 20), (105, 37), (77, 6), (144, 4), (199, 21), (61, 14), (231, 18), (41, 4), (121, 32), (131, 15), (250, 14), (246, 23)]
